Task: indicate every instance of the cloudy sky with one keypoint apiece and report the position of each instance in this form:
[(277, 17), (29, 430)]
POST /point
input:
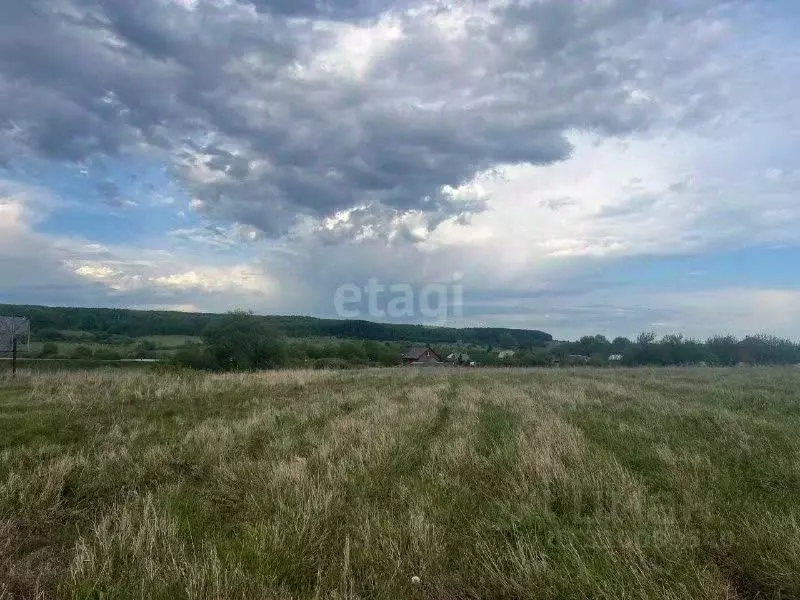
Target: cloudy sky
[(577, 166)]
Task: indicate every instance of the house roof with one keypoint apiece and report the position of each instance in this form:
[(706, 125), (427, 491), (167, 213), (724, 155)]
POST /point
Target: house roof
[(416, 352)]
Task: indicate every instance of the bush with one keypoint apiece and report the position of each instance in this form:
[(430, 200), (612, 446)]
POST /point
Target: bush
[(331, 363), (49, 350), (352, 352), (382, 354), (104, 354), (81, 352)]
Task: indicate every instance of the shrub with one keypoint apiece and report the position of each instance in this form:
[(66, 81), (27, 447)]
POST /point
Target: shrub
[(104, 354), (49, 350), (332, 363), (81, 352)]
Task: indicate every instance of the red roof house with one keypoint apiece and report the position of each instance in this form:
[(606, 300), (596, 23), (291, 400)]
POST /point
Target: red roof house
[(420, 354)]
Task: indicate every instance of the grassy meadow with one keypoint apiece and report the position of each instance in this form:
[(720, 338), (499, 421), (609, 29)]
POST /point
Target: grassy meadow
[(616, 484)]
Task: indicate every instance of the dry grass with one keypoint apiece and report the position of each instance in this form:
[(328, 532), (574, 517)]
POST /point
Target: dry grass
[(609, 484)]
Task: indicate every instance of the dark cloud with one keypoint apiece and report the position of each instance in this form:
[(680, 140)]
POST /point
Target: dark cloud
[(336, 9), (261, 119)]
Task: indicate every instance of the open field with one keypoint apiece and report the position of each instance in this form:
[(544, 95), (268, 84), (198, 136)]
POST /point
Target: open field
[(172, 341), (669, 484), (163, 345), (44, 365)]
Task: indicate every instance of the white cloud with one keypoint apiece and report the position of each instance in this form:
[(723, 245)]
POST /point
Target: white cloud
[(220, 279), (352, 49), (167, 272)]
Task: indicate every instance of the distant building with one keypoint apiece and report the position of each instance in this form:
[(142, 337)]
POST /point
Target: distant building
[(506, 354), (615, 358), (420, 355), (459, 358)]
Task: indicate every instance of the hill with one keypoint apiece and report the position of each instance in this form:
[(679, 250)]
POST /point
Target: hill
[(47, 321)]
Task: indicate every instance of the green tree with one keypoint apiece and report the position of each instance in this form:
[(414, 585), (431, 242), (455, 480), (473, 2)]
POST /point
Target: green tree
[(382, 354), (507, 341), (724, 349), (352, 352), (590, 345), (240, 341), (767, 349), (621, 345)]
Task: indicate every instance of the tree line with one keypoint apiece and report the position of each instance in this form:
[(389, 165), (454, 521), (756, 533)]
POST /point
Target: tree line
[(111, 324), (675, 349), (243, 341), (239, 341)]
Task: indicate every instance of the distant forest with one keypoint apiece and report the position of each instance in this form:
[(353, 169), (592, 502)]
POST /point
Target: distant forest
[(242, 341), (47, 322)]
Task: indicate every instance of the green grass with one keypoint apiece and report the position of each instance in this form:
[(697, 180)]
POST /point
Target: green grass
[(672, 483), (166, 345), (61, 365), (172, 341), (67, 347)]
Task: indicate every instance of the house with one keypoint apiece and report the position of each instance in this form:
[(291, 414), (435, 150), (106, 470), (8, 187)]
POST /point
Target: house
[(503, 354), (615, 358), (459, 358), (420, 355)]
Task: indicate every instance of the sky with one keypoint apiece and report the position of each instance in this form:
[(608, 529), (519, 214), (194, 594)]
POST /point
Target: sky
[(576, 166)]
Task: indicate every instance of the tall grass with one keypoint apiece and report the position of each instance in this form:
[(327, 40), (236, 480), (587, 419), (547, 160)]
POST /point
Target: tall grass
[(671, 484)]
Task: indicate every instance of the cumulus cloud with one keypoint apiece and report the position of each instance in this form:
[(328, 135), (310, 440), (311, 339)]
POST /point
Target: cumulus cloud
[(129, 276), (271, 112)]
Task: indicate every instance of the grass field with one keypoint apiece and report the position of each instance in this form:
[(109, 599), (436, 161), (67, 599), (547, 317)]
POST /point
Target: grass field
[(616, 484), (172, 341), (165, 344)]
